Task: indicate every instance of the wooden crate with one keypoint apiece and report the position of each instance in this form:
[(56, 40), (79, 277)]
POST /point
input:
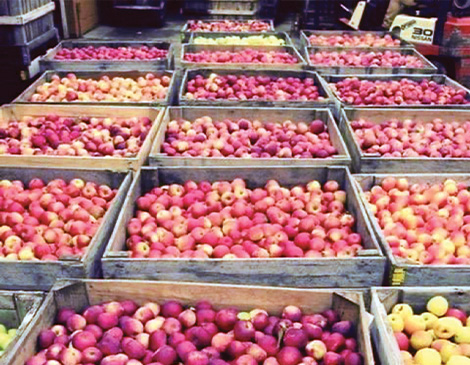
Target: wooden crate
[(17, 310), (264, 115), (41, 275), (17, 111), (21, 7), (236, 8), (440, 79), (48, 61), (400, 270), (372, 163), (79, 294), (189, 74), (186, 32), (22, 29), (281, 35), (428, 68), (365, 270), (383, 300), (305, 34), (194, 48), (46, 77)]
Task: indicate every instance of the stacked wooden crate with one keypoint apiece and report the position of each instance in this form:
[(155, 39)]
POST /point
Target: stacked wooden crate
[(25, 27)]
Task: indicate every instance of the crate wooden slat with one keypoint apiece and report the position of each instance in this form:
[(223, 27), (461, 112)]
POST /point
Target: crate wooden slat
[(305, 34), (157, 158), (368, 163), (21, 7), (365, 270), (17, 111), (195, 48), (213, 35), (48, 61), (383, 300), (46, 77), (79, 294), (428, 68), (440, 79), (402, 272), (17, 310), (186, 32), (41, 275), (188, 75)]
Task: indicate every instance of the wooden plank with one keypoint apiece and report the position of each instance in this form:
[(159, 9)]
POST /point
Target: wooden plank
[(189, 74), (48, 61), (221, 296), (366, 163), (41, 275), (428, 67), (18, 111), (305, 34), (195, 48), (360, 271), (157, 158), (24, 98), (401, 271), (28, 17)]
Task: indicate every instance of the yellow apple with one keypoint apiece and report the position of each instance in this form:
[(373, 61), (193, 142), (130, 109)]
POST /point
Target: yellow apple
[(420, 340), (427, 357), (414, 323), (458, 360), (446, 327), (449, 350), (438, 305), (396, 322), (404, 310), (429, 318), (462, 335)]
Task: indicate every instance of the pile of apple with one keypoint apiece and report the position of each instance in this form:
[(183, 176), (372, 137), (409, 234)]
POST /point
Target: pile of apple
[(247, 55), (403, 92), (6, 336), (356, 58), (439, 336), (122, 333), (414, 138), (228, 220), (254, 40), (228, 26), (116, 89), (348, 40), (243, 138), (141, 53), (74, 136), (47, 221), (242, 87), (424, 223)]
